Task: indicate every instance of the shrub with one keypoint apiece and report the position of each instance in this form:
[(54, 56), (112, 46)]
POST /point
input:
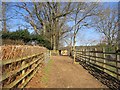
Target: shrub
[(25, 36)]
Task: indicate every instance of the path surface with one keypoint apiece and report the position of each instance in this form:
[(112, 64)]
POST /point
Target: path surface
[(61, 73)]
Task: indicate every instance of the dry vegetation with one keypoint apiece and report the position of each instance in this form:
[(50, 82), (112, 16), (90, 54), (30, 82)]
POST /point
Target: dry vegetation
[(12, 42), (19, 51), (13, 52)]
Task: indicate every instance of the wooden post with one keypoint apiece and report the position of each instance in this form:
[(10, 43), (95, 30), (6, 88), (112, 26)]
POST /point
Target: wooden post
[(89, 56), (104, 66), (118, 37), (23, 71), (0, 74), (85, 55), (96, 55), (92, 55), (117, 65), (82, 55), (74, 56)]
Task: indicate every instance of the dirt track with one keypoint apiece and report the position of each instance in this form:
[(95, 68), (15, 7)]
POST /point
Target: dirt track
[(61, 73)]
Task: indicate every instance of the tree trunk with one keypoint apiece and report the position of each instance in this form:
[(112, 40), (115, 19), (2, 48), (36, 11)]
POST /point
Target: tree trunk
[(54, 42), (74, 42), (119, 39), (4, 16), (54, 36), (109, 45), (118, 36), (51, 41), (44, 29)]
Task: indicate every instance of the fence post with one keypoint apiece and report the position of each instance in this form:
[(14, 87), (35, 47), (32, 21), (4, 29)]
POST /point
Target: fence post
[(88, 55), (81, 55), (0, 74), (92, 55), (96, 55), (23, 71), (85, 55), (104, 66), (117, 64), (74, 56)]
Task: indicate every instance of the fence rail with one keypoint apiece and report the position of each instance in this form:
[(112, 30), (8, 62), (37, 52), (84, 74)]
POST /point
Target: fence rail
[(18, 72), (19, 63), (104, 61), (107, 62)]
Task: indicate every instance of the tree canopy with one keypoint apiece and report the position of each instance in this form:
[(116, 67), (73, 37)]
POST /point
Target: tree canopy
[(58, 22)]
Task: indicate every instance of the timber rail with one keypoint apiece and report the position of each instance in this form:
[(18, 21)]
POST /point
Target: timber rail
[(19, 63), (103, 65), (23, 70)]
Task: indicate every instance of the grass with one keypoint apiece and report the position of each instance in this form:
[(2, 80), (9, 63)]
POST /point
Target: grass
[(46, 72), (109, 67)]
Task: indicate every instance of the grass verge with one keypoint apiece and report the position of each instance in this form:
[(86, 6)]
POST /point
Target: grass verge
[(46, 72)]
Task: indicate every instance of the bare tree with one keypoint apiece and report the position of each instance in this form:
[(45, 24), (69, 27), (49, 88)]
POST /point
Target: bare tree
[(47, 18), (80, 14), (106, 23), (118, 36), (4, 16), (50, 18)]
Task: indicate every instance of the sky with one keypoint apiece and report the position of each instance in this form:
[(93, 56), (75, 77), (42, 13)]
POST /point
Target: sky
[(88, 36), (85, 36), (61, 0), (91, 36)]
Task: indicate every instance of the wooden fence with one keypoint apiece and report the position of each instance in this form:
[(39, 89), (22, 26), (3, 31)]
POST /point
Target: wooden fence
[(107, 62), (17, 72)]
